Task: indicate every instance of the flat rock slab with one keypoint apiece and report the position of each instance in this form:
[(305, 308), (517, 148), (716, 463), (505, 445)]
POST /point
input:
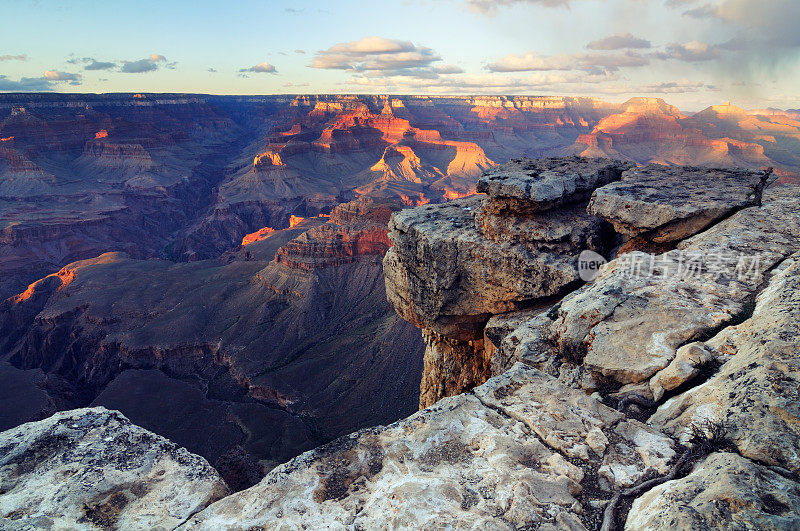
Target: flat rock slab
[(672, 203), (542, 184), (725, 491), (524, 450), (457, 465), (578, 426), (92, 469)]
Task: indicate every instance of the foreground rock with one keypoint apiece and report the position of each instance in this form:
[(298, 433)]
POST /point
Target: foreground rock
[(93, 469), (726, 491), (524, 450), (756, 394)]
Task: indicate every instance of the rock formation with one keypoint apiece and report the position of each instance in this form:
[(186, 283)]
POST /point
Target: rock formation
[(93, 469), (452, 266), (532, 446)]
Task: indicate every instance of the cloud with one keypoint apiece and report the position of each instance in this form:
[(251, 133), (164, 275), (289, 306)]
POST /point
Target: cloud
[(691, 52), (263, 68), (375, 54), (25, 84), (618, 41), (533, 61), (49, 80), (99, 65), (561, 82), (448, 69), (56, 76), (149, 64), (674, 87), (8, 57), (212, 70), (490, 7), (302, 52), (704, 11), (91, 63)]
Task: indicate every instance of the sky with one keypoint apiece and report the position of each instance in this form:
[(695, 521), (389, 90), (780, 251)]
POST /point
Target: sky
[(693, 53)]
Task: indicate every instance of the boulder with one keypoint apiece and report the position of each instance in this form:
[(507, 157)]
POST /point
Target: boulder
[(536, 185), (92, 469), (668, 203)]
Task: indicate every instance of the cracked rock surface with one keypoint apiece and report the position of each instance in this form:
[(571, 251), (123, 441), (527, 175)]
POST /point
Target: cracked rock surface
[(523, 450), (725, 491), (92, 469)]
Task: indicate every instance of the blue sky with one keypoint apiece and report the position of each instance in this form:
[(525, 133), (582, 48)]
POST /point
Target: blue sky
[(690, 52)]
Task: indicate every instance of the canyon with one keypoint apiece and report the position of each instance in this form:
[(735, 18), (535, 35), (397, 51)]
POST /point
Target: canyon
[(213, 267), (662, 392)]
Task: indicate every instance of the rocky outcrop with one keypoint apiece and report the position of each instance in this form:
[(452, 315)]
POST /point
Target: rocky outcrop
[(93, 469), (670, 204), (650, 327), (454, 265)]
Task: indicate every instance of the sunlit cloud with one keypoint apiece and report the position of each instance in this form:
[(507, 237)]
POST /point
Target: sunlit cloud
[(375, 53), (56, 76), (262, 68), (149, 64)]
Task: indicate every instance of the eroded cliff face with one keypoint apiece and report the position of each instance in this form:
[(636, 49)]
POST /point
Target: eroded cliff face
[(453, 266)]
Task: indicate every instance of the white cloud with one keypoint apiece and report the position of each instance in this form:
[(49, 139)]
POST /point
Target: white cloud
[(374, 53), (618, 41), (490, 7), (262, 68)]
